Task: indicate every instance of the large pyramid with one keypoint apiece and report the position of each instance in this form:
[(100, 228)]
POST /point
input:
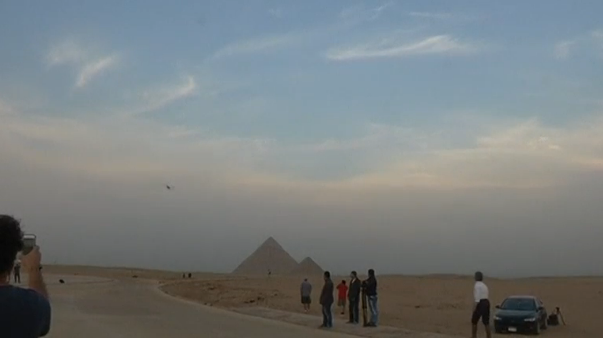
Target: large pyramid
[(307, 267), (269, 257)]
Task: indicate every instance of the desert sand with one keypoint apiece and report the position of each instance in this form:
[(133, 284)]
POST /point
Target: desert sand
[(94, 307), (423, 303)]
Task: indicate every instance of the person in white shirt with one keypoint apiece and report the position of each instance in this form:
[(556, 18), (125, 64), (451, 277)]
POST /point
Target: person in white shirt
[(481, 305)]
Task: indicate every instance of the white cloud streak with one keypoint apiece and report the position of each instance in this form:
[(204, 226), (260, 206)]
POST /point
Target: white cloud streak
[(93, 69), (254, 46), (563, 49), (275, 13), (522, 155), (88, 64), (157, 98), (359, 13), (429, 15), (439, 44), (592, 41), (66, 52), (121, 148), (497, 154)]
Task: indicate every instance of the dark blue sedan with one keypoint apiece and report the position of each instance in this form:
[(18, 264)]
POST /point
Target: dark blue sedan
[(525, 314)]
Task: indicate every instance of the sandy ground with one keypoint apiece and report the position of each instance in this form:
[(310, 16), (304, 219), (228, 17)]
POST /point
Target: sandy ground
[(98, 308), (428, 303)]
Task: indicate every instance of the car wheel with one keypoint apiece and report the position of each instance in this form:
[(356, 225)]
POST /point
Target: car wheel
[(536, 331)]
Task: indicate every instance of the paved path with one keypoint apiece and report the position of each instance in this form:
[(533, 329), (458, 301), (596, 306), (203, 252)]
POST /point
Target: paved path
[(95, 308)]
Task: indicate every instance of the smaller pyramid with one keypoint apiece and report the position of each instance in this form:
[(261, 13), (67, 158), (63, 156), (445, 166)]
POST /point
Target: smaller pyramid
[(270, 257), (307, 267)]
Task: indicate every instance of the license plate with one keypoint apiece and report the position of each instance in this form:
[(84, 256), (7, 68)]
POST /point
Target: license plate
[(512, 329)]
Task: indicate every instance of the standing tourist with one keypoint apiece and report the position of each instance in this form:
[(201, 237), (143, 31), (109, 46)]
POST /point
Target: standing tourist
[(354, 297), (326, 301), (342, 294), (17, 271), (481, 305), (306, 294), (371, 293)]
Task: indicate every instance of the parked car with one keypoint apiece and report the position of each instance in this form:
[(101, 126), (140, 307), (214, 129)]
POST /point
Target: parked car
[(524, 314)]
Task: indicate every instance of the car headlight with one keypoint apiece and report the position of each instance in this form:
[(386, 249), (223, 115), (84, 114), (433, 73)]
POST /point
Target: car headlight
[(497, 318), (530, 319)]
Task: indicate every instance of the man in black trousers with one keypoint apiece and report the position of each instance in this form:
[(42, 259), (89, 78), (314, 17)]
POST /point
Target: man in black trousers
[(354, 297), (326, 300)]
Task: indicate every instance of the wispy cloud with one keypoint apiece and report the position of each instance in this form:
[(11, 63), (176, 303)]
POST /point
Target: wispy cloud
[(563, 49), (66, 52), (359, 13), (256, 45), (391, 48), (381, 8), (377, 136), (89, 65), (122, 148), (95, 68), (524, 154), (500, 154), (597, 37), (592, 41), (448, 17), (276, 13), (431, 15), (157, 98)]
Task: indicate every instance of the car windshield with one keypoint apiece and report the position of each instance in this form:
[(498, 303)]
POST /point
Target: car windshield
[(519, 304)]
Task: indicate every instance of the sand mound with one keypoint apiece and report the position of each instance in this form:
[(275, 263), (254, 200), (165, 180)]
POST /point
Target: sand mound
[(270, 256), (307, 267)]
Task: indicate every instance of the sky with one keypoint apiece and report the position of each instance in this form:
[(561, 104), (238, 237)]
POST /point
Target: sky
[(406, 136)]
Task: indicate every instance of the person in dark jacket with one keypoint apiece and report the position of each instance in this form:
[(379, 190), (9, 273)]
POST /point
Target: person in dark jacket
[(17, 272), (371, 293), (24, 312), (326, 300), (354, 297)]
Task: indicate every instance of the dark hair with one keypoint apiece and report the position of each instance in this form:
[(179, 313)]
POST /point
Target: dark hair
[(343, 282), (479, 276), (371, 272), (11, 242), (327, 274), (354, 273)]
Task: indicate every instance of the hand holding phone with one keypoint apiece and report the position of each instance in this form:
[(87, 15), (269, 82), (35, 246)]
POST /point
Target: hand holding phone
[(29, 242), (31, 256)]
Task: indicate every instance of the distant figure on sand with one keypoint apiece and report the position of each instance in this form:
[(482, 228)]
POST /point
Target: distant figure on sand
[(354, 297), (481, 306), (306, 294), (17, 271), (326, 300), (342, 293), (371, 293)]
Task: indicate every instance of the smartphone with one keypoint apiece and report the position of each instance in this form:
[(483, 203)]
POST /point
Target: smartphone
[(29, 242)]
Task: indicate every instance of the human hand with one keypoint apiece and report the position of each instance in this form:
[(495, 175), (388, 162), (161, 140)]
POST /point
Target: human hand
[(31, 262)]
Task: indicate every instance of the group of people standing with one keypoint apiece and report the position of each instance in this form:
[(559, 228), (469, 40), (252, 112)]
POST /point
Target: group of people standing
[(353, 293), (350, 295)]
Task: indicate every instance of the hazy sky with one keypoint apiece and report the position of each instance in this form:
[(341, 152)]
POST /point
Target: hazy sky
[(407, 136)]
